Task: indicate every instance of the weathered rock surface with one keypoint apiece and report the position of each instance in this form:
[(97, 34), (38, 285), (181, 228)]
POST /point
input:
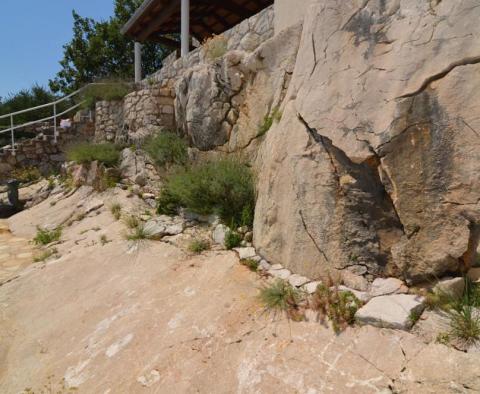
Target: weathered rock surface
[(142, 322), (381, 286), (375, 161), (391, 311)]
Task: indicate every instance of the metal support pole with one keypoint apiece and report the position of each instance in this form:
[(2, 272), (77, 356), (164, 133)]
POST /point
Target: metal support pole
[(55, 122), (138, 62), (185, 27), (13, 135)]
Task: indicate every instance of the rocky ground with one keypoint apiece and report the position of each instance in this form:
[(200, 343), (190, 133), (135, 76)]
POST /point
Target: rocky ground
[(106, 316)]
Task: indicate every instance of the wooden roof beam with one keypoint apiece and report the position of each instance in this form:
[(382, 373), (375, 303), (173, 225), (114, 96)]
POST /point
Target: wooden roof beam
[(153, 25)]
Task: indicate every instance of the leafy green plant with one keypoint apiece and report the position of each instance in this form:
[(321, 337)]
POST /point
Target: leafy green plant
[(281, 297), (198, 246), (252, 265), (224, 187), (26, 174), (338, 306), (268, 120), (45, 237), (215, 46), (138, 233), (106, 153), (105, 91), (166, 148), (232, 240), (116, 210)]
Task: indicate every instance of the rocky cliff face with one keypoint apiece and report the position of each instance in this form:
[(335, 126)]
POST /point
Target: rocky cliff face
[(374, 166)]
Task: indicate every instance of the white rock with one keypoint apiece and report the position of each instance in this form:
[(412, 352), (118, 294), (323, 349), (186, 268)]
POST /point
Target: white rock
[(297, 280), (148, 196), (277, 267), (93, 205), (361, 295), (264, 265), (391, 311), (256, 258), (381, 286), (281, 274), (245, 253), (311, 287), (219, 233), (353, 281), (451, 286), (175, 228)]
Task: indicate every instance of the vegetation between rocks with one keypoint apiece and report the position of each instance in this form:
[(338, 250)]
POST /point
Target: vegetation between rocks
[(26, 174), (198, 246), (45, 237), (215, 47), (232, 240), (252, 265), (166, 148), (268, 120), (45, 255), (281, 297), (116, 210), (224, 187), (105, 153), (107, 91)]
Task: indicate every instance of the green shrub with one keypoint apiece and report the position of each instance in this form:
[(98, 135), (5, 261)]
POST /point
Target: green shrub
[(45, 237), (138, 233), (252, 265), (167, 204), (108, 91), (267, 123), (338, 306), (224, 187), (232, 240), (166, 148), (281, 297), (198, 246), (106, 153), (26, 174)]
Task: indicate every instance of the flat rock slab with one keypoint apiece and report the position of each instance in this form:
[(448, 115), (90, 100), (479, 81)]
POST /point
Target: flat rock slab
[(245, 253), (392, 311), (381, 286)]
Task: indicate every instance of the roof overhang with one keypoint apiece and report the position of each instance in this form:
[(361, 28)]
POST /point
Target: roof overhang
[(156, 18)]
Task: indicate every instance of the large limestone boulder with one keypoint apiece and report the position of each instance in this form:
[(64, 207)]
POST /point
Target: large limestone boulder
[(376, 161)]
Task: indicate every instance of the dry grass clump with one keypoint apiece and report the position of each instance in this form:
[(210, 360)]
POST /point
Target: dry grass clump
[(281, 297)]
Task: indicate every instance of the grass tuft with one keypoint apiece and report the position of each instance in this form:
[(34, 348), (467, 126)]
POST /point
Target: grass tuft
[(215, 47), (45, 237), (131, 221), (281, 297), (198, 246), (116, 210), (108, 91), (106, 153), (268, 120), (45, 255), (232, 240), (252, 265), (26, 174)]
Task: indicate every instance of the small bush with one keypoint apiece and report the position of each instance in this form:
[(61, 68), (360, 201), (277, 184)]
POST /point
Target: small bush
[(267, 124), (105, 153), (166, 148), (167, 204), (215, 47), (252, 265), (198, 246), (116, 210), (281, 297), (45, 237), (224, 187), (338, 306), (108, 91), (138, 233), (131, 221), (232, 240), (26, 174)]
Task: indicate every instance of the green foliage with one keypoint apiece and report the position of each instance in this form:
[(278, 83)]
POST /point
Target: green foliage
[(26, 174), (168, 204), (281, 297), (224, 187), (138, 233), (268, 120), (338, 306), (252, 265), (28, 98), (232, 240), (198, 246), (108, 91), (45, 237), (465, 324), (116, 210), (166, 148), (215, 47), (98, 50), (106, 153)]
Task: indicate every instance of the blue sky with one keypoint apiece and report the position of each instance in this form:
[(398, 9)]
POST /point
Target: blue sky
[(32, 33)]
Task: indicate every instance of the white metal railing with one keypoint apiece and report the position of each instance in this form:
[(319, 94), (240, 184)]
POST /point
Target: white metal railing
[(54, 117)]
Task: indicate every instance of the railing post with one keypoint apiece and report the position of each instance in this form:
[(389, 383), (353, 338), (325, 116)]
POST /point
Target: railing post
[(55, 122), (13, 135)]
